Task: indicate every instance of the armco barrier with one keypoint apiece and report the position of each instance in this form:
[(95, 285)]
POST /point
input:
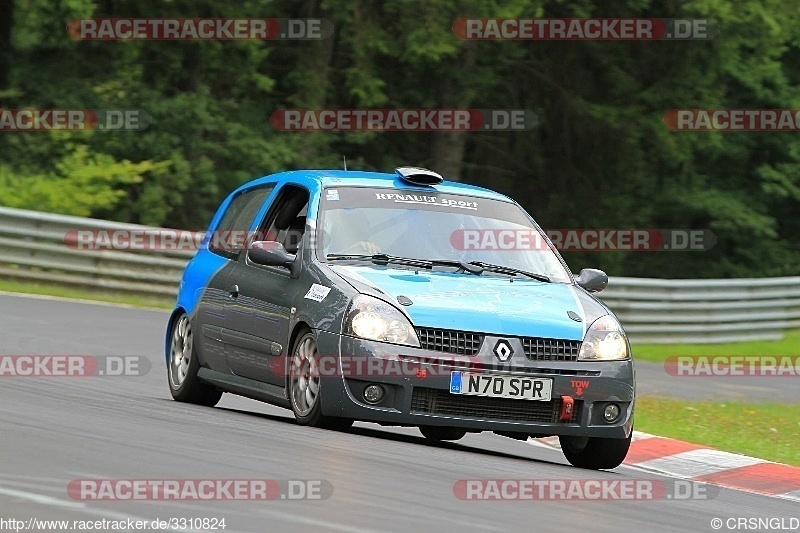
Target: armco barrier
[(32, 247), (709, 310), (651, 310)]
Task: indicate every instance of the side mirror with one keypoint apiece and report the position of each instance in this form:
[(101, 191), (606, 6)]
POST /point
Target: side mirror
[(592, 280), (269, 253)]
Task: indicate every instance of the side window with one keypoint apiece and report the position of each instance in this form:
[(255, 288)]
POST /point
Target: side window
[(285, 222), (230, 234)]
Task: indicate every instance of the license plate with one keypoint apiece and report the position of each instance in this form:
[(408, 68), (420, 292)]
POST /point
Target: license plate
[(501, 386)]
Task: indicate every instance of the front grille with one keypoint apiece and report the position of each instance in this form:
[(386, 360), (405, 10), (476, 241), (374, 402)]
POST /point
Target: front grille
[(441, 402), (537, 349), (450, 341), (469, 343)]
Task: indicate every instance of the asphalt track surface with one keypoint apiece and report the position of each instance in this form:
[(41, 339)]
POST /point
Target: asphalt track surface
[(54, 430)]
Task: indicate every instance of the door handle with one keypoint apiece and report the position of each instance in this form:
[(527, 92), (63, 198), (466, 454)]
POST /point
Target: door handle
[(234, 291)]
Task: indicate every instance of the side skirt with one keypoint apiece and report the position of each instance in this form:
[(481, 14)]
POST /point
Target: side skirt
[(246, 387)]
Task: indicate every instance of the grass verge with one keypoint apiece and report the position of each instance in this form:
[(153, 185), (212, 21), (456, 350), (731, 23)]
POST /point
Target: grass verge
[(766, 431), (789, 345), (82, 294)]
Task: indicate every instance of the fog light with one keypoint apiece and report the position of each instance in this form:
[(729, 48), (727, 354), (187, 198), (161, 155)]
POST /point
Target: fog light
[(373, 393), (611, 413)]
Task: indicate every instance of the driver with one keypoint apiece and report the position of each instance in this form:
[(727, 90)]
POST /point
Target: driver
[(352, 234)]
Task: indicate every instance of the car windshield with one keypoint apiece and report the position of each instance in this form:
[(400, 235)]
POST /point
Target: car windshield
[(429, 225)]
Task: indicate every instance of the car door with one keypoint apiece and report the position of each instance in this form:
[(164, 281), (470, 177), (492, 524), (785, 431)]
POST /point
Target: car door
[(225, 239), (258, 330)]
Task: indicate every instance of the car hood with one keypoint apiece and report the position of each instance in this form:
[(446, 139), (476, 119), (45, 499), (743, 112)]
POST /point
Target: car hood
[(487, 304)]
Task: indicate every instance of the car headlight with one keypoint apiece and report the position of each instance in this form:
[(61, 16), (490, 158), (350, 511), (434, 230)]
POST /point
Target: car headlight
[(374, 319), (604, 341)]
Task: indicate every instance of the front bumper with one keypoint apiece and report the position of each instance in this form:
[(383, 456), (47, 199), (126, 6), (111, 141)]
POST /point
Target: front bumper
[(417, 390)]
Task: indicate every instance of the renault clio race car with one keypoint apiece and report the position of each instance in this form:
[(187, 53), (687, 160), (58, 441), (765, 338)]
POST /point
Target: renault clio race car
[(401, 299)]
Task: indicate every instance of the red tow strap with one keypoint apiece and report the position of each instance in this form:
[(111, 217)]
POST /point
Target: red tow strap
[(567, 408)]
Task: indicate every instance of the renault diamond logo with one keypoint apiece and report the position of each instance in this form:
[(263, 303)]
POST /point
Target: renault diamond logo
[(503, 350)]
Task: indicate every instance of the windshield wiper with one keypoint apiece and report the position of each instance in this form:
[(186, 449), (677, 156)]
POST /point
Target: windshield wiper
[(473, 267), (381, 259), (509, 270), (461, 265), (384, 259)]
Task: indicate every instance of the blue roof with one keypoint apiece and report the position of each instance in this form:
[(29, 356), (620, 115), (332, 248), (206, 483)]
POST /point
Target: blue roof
[(358, 178)]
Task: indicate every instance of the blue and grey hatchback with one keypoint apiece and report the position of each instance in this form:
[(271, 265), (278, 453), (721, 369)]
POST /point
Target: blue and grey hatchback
[(401, 299)]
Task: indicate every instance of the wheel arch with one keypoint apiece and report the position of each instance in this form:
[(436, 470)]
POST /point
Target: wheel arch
[(178, 311), (297, 329)]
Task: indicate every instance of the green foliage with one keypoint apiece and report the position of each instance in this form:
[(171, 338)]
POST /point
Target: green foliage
[(80, 184), (601, 156)]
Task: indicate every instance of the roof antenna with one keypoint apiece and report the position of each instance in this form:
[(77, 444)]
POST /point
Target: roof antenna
[(344, 160)]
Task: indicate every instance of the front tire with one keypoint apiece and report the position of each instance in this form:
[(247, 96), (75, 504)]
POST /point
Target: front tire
[(595, 453), (184, 385), (305, 384)]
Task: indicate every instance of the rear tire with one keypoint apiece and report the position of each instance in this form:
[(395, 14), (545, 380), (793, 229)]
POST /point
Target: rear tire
[(442, 433), (182, 367), (305, 384), (595, 453)]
